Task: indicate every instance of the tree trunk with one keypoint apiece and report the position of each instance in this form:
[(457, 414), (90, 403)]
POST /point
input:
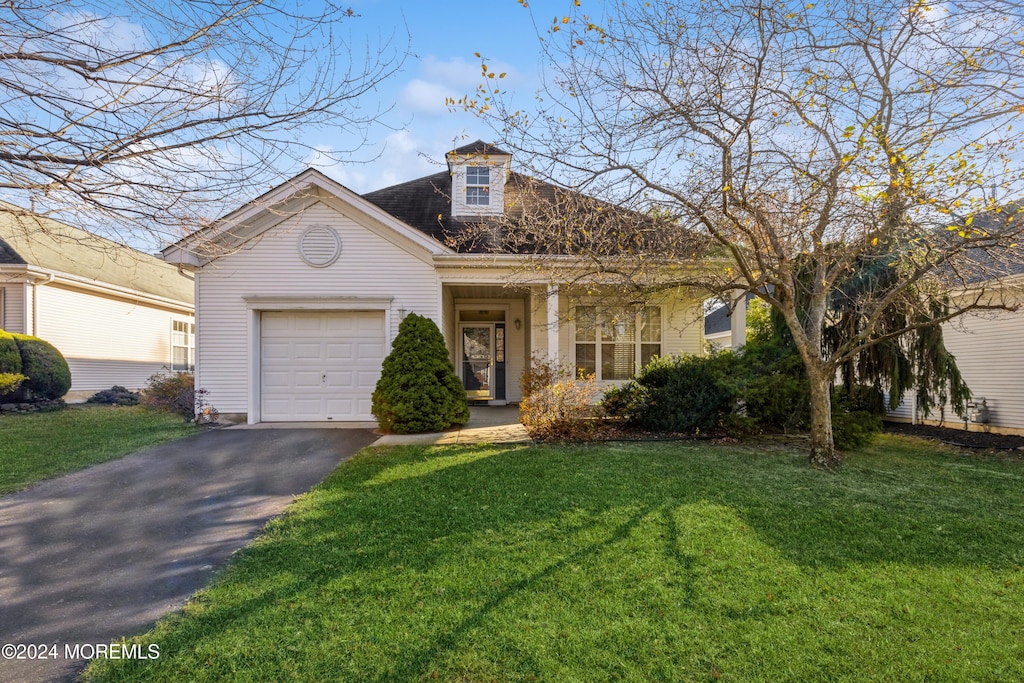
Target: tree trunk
[(823, 451)]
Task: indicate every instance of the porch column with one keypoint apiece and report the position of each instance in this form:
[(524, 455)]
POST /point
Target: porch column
[(553, 323), (739, 319)]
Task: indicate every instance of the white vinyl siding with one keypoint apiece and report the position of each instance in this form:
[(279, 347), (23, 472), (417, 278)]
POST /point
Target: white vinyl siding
[(988, 351), (369, 266), (105, 340)]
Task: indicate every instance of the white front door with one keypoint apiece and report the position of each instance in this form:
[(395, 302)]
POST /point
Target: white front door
[(319, 365)]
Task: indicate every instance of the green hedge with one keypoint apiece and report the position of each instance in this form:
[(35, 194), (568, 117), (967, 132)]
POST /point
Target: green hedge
[(48, 374), (680, 394)]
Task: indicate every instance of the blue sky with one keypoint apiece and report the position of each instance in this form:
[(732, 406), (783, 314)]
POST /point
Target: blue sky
[(444, 37)]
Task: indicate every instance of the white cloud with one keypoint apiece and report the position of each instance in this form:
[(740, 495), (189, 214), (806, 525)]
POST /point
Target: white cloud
[(438, 80), (401, 156)]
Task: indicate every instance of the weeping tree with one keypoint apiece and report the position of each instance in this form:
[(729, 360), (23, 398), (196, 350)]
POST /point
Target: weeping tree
[(905, 353), (805, 143)]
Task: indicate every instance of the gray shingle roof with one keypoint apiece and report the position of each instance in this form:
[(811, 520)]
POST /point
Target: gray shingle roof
[(479, 147), (425, 204), (28, 239)]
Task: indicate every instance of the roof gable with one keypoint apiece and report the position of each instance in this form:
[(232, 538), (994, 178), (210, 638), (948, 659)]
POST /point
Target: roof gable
[(284, 201)]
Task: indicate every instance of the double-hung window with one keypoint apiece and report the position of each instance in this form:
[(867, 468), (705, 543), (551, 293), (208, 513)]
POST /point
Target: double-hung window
[(478, 185), (183, 346), (613, 345)]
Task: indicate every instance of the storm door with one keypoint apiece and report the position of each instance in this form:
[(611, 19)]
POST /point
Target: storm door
[(477, 352)]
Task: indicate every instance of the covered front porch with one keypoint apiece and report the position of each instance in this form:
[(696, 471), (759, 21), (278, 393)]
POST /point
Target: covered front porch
[(487, 328), (495, 331)]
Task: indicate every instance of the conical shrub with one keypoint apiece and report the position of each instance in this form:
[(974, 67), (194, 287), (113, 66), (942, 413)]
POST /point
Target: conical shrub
[(418, 390)]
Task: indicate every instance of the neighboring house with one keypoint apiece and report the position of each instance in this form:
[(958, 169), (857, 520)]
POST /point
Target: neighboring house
[(988, 345), (301, 292), (118, 315), (724, 328), (989, 350)]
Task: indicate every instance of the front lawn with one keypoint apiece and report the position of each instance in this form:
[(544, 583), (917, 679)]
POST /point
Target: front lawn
[(637, 562), (42, 445)]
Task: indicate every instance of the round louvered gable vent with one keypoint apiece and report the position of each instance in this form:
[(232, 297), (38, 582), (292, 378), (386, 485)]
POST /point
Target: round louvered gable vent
[(319, 246)]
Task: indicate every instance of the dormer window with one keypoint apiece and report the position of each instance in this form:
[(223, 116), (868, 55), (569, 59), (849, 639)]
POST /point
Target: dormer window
[(478, 172), (478, 186)]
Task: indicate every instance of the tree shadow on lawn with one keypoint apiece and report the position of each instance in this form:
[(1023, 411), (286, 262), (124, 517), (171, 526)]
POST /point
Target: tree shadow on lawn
[(391, 531)]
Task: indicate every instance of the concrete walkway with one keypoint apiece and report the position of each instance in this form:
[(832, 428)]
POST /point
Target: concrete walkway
[(102, 553), (487, 424)]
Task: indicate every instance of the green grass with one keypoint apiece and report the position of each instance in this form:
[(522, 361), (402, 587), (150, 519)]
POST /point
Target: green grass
[(635, 562), (37, 446)]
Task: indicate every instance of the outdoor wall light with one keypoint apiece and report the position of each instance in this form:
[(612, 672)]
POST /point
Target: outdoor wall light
[(518, 323)]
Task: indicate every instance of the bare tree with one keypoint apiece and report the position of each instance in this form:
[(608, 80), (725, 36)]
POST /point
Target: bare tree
[(809, 143), (144, 118)]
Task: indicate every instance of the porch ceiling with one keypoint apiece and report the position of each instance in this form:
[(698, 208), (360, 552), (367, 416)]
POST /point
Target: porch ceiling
[(486, 292)]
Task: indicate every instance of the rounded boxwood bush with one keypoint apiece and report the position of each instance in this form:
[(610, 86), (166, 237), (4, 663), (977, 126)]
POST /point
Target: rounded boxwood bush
[(418, 390), (10, 357), (48, 374)]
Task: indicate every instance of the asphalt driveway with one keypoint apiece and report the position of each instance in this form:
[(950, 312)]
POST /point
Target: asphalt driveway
[(102, 553)]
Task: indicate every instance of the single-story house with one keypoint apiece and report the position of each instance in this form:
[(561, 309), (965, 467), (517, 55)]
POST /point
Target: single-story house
[(117, 315), (988, 347), (300, 292)]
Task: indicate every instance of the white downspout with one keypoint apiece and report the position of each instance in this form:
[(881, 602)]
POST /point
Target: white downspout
[(35, 303)]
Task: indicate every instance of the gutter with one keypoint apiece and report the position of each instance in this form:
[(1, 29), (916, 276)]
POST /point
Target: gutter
[(126, 293)]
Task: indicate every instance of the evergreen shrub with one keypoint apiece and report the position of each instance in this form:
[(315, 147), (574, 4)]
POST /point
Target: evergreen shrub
[(679, 394), (48, 374), (115, 396), (10, 357), (418, 390)]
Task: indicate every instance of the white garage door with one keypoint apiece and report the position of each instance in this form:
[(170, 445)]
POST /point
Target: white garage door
[(319, 365)]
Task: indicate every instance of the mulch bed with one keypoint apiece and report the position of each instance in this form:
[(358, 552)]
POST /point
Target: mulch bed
[(958, 437)]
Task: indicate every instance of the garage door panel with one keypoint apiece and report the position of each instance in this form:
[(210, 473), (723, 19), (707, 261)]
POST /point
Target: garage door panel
[(277, 379), (276, 406), (368, 351), (339, 351), (320, 365), (308, 322), (276, 350), (370, 324), (342, 325), (340, 406), (303, 351), (339, 379), (307, 406), (275, 325), (307, 380)]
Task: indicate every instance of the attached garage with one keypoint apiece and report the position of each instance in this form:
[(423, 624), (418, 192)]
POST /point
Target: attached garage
[(319, 365)]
